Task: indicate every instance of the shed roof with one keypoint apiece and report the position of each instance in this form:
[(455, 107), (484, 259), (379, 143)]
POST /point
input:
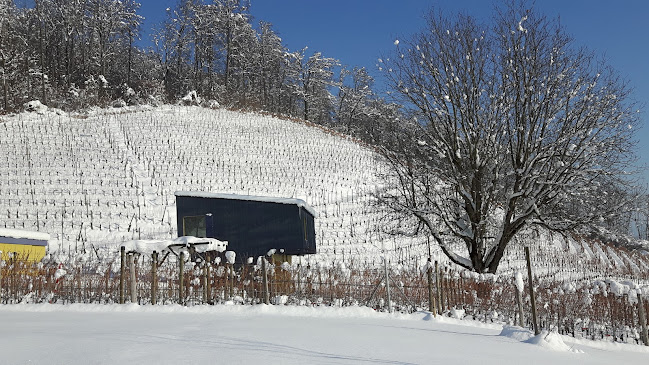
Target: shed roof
[(266, 199), (31, 235)]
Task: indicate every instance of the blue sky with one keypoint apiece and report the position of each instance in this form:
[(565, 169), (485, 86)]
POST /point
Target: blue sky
[(358, 32)]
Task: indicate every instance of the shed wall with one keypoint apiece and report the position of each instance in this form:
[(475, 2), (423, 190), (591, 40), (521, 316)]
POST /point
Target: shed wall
[(251, 227), (23, 252)]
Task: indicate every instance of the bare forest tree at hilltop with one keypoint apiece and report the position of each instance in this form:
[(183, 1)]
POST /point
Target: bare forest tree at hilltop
[(76, 54), (513, 127), (67, 52), (313, 76), (353, 96)]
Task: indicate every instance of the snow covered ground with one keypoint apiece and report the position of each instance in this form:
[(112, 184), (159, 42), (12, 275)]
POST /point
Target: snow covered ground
[(132, 334)]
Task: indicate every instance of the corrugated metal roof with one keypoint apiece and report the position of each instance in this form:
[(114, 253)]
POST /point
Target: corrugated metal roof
[(266, 199)]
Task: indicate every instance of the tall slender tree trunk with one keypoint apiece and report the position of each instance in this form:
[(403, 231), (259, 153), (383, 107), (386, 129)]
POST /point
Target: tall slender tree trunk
[(130, 58), (5, 91), (42, 63)]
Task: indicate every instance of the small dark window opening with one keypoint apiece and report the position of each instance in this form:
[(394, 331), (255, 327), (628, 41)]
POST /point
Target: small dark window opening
[(195, 226)]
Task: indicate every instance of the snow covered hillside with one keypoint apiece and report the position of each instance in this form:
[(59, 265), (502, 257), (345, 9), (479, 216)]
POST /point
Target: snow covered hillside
[(95, 180), (131, 334), (110, 176)]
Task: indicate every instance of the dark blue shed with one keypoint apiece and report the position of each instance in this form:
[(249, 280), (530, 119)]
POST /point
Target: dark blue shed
[(252, 225)]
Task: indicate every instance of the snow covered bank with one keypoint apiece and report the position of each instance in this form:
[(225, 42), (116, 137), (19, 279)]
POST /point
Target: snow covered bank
[(130, 334)]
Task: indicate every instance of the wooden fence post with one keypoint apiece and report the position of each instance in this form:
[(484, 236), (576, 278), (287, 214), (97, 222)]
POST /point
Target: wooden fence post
[(531, 283), (181, 277), (208, 275), (519, 302), (518, 278), (122, 252), (387, 281), (231, 278), (154, 277), (642, 317), (204, 280), (439, 288), (431, 298), (14, 269), (265, 280), (79, 286), (299, 278), (131, 263)]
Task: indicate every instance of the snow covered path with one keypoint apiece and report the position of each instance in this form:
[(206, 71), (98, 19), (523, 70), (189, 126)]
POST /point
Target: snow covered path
[(131, 334)]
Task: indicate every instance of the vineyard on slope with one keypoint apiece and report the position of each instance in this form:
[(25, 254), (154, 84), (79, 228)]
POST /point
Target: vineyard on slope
[(95, 180)]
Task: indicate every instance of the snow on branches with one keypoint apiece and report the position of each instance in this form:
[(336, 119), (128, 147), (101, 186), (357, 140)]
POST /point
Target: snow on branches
[(513, 129)]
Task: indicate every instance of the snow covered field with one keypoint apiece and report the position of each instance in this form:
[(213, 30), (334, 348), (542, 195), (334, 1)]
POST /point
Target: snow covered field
[(131, 334)]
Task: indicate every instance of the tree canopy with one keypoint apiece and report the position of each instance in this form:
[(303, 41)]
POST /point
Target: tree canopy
[(512, 126)]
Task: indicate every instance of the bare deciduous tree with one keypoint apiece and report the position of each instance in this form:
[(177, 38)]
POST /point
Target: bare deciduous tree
[(513, 126)]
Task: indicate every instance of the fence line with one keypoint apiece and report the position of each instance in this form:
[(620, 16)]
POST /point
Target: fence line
[(593, 310)]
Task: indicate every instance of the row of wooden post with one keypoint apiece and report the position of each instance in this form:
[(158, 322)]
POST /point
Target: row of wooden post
[(435, 302), (132, 258), (436, 297)]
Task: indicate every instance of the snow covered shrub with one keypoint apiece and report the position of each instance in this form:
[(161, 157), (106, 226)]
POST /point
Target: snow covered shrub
[(119, 103), (128, 95), (35, 106), (213, 104), (191, 98)]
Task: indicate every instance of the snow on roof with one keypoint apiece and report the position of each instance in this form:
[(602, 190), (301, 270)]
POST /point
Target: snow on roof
[(148, 246), (31, 235), (267, 199)]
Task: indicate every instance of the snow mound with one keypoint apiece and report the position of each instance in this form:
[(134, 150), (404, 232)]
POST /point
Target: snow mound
[(516, 333), (429, 316), (551, 341), (35, 106), (457, 313)]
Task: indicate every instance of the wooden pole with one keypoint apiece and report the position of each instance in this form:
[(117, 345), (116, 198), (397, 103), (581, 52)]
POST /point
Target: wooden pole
[(299, 278), (181, 277), (439, 288), (387, 281), (531, 284), (642, 317), (431, 297), (231, 276), (208, 275), (154, 278), (205, 282), (226, 282), (133, 290), (265, 281), (122, 268), (14, 286), (519, 302)]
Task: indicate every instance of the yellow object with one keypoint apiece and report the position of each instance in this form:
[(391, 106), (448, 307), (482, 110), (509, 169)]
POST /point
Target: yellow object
[(23, 245), (22, 252)]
